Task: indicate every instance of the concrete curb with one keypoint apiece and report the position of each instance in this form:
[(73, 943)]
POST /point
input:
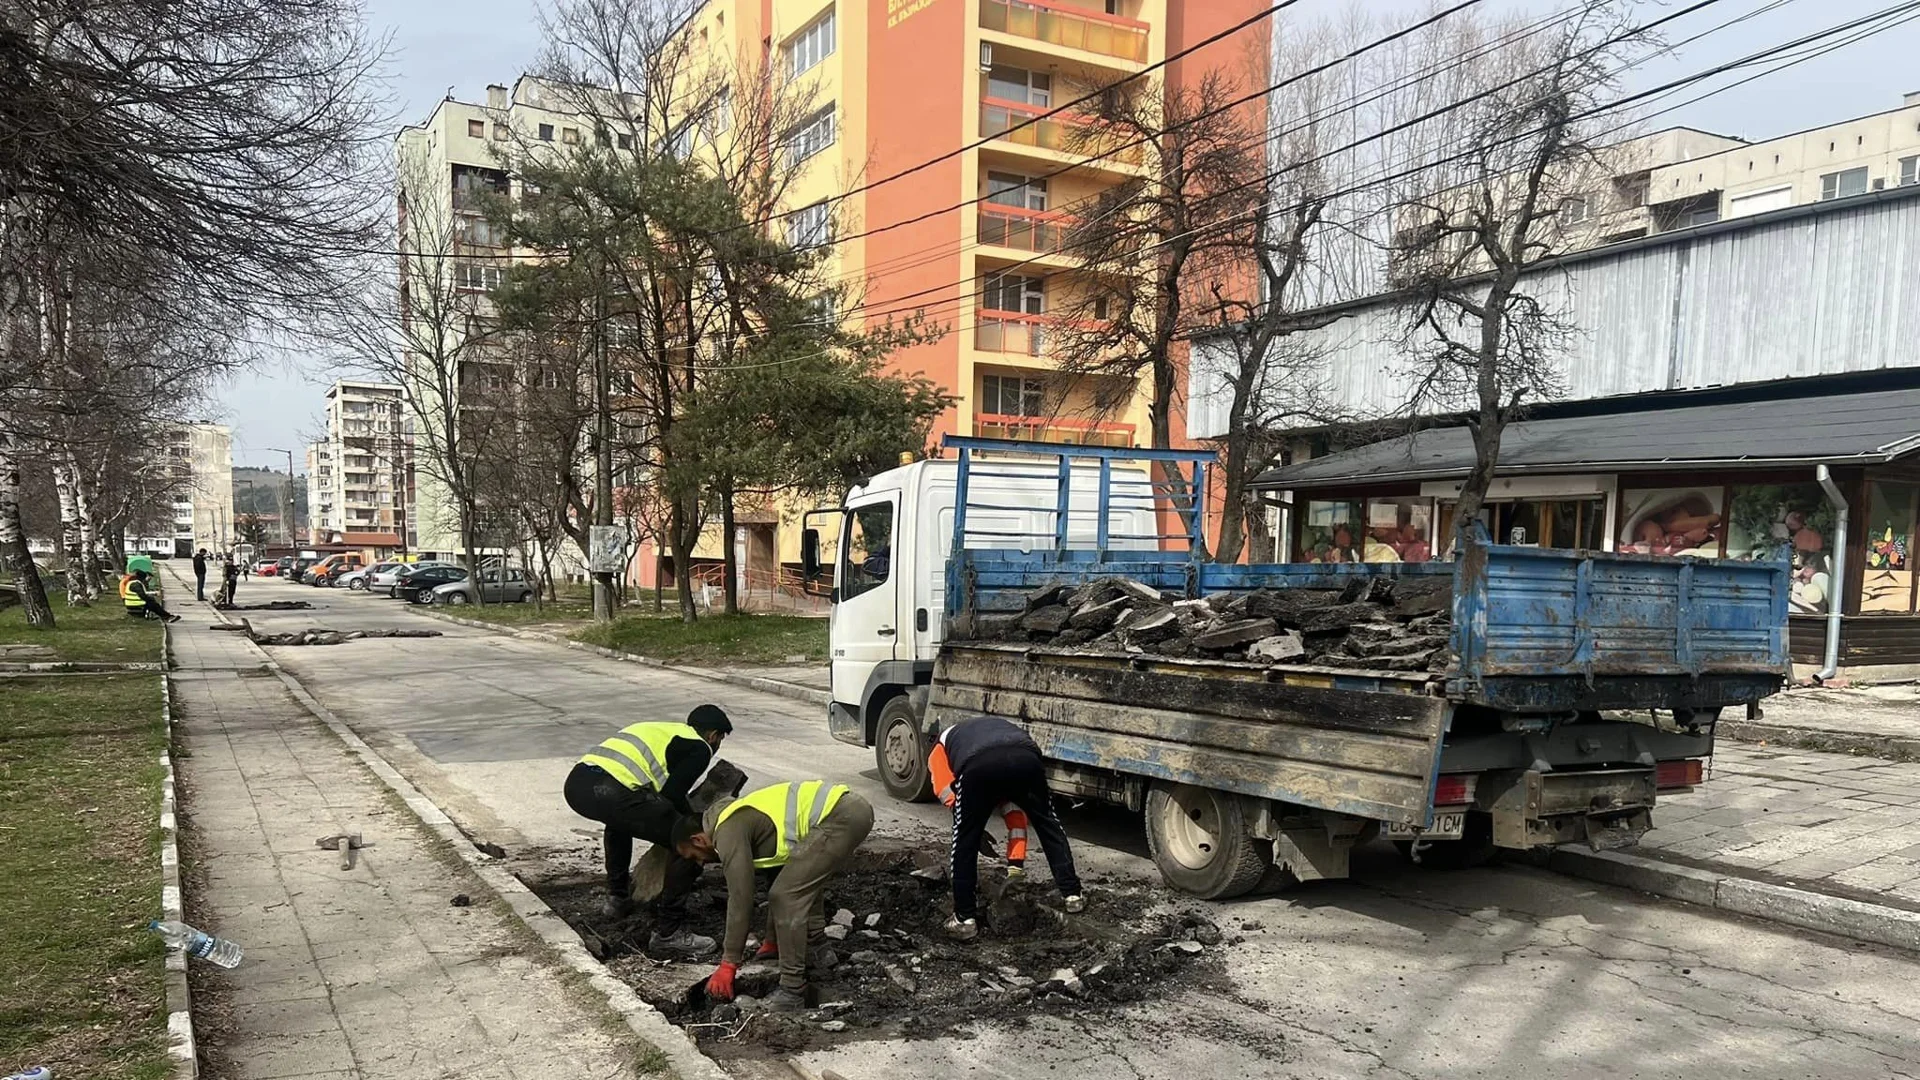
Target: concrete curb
[(180, 1042), (80, 667), (1801, 908), (752, 682), (1889, 747), (644, 1020)]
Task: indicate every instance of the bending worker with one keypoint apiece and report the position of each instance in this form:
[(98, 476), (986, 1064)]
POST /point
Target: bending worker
[(993, 761), (1015, 818), (138, 594), (806, 832), (636, 784)]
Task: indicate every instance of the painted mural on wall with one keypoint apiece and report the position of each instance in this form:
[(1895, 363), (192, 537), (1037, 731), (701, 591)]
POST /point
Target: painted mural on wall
[(1672, 521), (1792, 521)]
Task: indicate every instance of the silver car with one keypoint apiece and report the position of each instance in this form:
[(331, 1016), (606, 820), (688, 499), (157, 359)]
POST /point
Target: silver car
[(360, 579), (508, 586)]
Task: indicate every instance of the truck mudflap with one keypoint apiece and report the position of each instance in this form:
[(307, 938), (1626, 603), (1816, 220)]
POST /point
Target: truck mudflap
[(1602, 808)]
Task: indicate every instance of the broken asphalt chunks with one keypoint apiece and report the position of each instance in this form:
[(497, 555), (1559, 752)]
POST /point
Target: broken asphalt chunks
[(1378, 622), (320, 635)]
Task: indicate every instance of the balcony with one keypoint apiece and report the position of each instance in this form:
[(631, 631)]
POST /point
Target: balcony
[(1041, 231), (1053, 429), (1060, 132), (1023, 335), (1063, 24)]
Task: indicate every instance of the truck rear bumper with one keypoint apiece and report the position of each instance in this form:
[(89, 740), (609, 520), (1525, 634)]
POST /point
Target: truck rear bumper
[(1603, 808)]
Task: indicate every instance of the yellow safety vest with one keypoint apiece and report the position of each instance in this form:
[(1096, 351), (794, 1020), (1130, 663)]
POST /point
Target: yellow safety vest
[(127, 595), (794, 810), (637, 756)]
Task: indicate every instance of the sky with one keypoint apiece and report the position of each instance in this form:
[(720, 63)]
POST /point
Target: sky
[(281, 403)]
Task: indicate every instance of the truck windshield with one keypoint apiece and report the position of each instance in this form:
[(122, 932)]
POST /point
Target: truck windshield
[(868, 550)]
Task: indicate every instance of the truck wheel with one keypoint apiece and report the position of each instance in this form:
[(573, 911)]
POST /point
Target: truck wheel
[(901, 752), (1474, 848), (1199, 839)]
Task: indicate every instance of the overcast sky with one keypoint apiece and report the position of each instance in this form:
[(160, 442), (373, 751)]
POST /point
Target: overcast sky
[(437, 49)]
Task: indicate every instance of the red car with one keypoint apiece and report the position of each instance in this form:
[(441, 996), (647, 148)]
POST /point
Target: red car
[(267, 568)]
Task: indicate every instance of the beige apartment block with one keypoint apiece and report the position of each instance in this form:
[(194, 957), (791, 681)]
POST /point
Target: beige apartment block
[(359, 478), (200, 462)]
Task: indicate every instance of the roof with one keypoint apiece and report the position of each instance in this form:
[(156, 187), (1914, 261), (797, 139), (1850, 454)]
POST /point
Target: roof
[(1858, 429)]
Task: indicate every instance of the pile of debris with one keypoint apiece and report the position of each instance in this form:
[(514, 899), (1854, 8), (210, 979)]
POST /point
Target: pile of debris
[(1379, 623), (318, 635)]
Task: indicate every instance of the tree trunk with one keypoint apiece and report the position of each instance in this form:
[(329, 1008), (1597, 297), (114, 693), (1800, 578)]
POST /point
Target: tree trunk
[(1233, 502), (116, 545), (682, 547), (71, 548), (730, 557), (14, 555), (89, 533)]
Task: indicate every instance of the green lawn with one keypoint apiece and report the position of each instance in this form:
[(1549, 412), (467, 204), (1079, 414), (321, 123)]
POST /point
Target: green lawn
[(527, 614), (715, 640), (79, 849), (101, 633)]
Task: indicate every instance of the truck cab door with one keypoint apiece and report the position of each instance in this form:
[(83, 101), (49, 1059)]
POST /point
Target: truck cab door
[(865, 629)]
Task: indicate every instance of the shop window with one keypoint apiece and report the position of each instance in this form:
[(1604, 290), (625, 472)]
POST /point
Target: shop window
[(1887, 580), (1790, 521), (1398, 530), (1672, 521), (1555, 523), (1330, 531)]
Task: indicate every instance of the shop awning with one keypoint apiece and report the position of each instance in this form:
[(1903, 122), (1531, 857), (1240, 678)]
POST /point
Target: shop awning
[(371, 539), (1850, 429)]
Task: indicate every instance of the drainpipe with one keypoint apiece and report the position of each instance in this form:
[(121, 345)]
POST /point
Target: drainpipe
[(1836, 600)]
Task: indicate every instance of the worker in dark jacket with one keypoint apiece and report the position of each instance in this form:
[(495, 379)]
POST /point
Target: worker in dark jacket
[(636, 784), (993, 761), (200, 574)]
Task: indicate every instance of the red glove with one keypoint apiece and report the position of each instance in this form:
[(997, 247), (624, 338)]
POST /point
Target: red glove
[(768, 950), (720, 983)]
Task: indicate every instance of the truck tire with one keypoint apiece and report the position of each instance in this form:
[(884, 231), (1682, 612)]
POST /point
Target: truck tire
[(1199, 839), (1474, 848), (900, 749)]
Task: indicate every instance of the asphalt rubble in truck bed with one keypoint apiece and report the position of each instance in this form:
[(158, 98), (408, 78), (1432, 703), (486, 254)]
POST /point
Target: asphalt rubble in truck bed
[(1377, 623), (897, 974)]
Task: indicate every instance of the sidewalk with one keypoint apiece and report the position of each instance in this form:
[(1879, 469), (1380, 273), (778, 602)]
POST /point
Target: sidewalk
[(1879, 721), (368, 972)]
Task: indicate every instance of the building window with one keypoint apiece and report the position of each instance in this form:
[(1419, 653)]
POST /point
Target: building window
[(720, 115), (1909, 171), (499, 131), (810, 227), (1014, 292), (624, 142), (1012, 189), (1573, 210), (472, 277), (814, 134), (570, 136), (546, 132), (1887, 582), (1844, 184), (1008, 83), (810, 46), (479, 232), (1012, 395), (678, 144), (476, 129)]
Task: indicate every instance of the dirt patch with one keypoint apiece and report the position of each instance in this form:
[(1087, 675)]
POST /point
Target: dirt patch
[(897, 975)]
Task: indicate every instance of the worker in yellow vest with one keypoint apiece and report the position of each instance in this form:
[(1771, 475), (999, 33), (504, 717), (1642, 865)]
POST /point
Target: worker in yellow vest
[(137, 592), (806, 832), (636, 784)]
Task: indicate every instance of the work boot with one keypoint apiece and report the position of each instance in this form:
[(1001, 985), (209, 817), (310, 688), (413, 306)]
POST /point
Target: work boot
[(616, 907), (784, 1000), (684, 943), (961, 929), (1076, 904)]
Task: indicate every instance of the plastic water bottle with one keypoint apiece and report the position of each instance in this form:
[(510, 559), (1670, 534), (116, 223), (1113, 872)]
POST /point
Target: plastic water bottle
[(38, 1072), (198, 943)]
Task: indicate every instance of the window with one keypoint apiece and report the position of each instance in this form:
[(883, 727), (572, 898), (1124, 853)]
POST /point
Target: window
[(1014, 292), (1009, 83), (810, 46), (810, 227), (1330, 531), (1672, 521), (868, 552), (479, 231), (1887, 583), (1012, 395), (1909, 171), (720, 115), (623, 141), (1573, 210), (814, 134), (546, 132), (1013, 189), (500, 131), (570, 136), (1844, 184), (1786, 521), (1398, 530), (471, 277), (602, 138), (822, 310), (679, 144), (476, 129)]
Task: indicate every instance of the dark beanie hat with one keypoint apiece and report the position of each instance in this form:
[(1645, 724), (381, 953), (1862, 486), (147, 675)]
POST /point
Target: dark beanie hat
[(684, 829), (710, 718)]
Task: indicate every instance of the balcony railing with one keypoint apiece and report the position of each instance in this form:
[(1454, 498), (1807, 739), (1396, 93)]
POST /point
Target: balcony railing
[(1063, 24), (1001, 119), (1014, 332), (1038, 231), (1053, 429)]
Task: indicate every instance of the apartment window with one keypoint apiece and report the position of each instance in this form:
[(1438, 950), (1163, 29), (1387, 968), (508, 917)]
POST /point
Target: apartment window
[(814, 134), (720, 116), (546, 132), (1012, 395), (1573, 210), (679, 144), (1014, 292), (810, 46), (570, 136), (810, 227), (476, 129), (1844, 184), (1909, 171), (1013, 189), (500, 131), (1020, 85), (624, 142), (472, 277), (480, 232), (821, 310)]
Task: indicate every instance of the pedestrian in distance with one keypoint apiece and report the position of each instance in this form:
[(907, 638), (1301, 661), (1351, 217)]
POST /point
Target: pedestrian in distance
[(229, 581), (993, 761), (636, 784), (806, 832), (200, 575)]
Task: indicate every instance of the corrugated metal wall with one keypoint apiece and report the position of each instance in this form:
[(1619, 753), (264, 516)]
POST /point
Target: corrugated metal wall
[(1825, 294)]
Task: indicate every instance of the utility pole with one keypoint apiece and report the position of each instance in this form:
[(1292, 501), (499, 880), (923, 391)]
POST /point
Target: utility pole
[(291, 540)]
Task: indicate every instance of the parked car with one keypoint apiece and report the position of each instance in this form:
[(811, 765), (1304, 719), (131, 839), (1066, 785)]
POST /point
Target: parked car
[(417, 586), (266, 568), (389, 579), (497, 586), (328, 572), (298, 571), (285, 564), (359, 579)]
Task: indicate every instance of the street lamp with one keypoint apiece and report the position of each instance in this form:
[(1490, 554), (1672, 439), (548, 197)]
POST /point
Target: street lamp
[(291, 541)]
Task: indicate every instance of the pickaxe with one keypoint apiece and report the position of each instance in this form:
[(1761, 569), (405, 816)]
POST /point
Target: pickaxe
[(345, 843)]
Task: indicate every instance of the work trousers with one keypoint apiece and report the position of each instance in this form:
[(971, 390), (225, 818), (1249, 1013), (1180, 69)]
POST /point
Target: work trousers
[(630, 815), (200, 585), (153, 608), (1009, 774), (797, 902), (226, 591)]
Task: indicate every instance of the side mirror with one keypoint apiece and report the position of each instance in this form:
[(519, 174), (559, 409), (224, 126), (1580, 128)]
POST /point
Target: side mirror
[(810, 554)]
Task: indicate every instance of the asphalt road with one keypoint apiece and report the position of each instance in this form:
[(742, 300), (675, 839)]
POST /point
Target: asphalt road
[(1505, 972)]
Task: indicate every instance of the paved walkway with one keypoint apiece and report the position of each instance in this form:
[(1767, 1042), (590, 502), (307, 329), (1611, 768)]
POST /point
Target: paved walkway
[(360, 973)]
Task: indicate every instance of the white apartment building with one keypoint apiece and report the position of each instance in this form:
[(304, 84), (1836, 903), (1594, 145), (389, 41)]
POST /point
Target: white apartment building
[(200, 463), (359, 478)]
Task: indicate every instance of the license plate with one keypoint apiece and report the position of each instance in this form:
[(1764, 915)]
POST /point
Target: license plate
[(1446, 826)]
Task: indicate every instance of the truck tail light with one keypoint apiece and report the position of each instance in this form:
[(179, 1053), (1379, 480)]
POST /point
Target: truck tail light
[(1454, 790), (1684, 773)]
